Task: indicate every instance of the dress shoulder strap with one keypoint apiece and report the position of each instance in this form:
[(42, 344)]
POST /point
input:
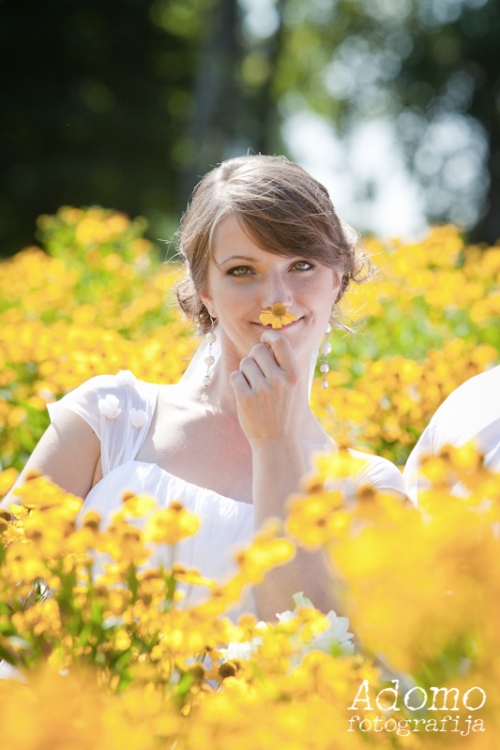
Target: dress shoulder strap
[(119, 408)]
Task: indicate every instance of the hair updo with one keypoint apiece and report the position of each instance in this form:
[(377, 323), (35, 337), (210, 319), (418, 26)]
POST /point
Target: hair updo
[(283, 209)]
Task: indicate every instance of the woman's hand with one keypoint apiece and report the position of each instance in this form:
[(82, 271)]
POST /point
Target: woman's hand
[(271, 398), (267, 387)]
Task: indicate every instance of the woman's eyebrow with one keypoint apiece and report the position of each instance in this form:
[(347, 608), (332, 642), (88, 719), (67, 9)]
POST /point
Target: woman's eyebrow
[(237, 257)]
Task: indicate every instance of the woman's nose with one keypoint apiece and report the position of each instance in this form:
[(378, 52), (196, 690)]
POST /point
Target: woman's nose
[(277, 290)]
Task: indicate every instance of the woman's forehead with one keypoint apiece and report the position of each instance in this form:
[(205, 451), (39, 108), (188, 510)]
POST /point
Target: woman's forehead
[(230, 230), (233, 238)]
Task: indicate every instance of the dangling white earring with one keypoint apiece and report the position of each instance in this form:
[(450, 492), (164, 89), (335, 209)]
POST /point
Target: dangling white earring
[(209, 360), (326, 348)]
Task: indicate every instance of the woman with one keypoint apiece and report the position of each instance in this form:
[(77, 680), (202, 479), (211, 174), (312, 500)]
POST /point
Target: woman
[(470, 412), (233, 440)]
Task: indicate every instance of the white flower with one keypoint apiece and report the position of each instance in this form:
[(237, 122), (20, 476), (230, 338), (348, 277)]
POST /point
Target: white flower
[(138, 417), (300, 601), (335, 640), (109, 406), (286, 616), (125, 377), (242, 650), (261, 625), (335, 637)]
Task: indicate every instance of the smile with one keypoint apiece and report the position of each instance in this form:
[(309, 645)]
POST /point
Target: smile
[(287, 326)]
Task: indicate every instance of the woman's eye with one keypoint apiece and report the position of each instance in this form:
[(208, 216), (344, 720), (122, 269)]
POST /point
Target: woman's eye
[(303, 265), (239, 271)]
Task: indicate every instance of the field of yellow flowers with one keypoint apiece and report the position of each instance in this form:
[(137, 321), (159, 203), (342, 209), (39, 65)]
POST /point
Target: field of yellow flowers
[(115, 661)]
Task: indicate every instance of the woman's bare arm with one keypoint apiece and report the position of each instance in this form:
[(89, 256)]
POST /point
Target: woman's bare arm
[(67, 452), (272, 400)]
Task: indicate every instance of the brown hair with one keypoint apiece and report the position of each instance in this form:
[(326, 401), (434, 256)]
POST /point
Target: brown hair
[(284, 210)]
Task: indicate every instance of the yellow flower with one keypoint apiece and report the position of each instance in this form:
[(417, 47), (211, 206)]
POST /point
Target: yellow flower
[(171, 525), (7, 479), (277, 316)]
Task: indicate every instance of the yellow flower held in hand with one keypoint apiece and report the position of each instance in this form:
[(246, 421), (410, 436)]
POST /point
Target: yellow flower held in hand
[(277, 316)]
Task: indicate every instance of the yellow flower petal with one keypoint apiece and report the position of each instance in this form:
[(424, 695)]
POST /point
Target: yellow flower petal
[(288, 318), (266, 317), (277, 316)]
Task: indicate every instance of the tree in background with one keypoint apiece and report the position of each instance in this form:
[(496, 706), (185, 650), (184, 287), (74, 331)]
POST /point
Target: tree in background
[(127, 103), (431, 65), (95, 98)]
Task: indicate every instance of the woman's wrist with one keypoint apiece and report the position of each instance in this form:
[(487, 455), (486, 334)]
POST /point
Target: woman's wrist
[(280, 448), (277, 469)]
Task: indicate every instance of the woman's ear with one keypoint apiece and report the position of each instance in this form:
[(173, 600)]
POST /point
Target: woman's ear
[(208, 302), (337, 285)]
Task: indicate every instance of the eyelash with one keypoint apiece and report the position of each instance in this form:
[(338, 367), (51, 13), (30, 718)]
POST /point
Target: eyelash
[(231, 271), (307, 263)]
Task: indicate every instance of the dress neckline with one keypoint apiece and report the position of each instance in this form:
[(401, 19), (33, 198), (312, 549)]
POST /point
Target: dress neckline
[(164, 471), (179, 479)]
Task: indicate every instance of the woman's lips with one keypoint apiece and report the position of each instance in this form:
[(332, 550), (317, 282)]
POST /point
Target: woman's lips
[(288, 325)]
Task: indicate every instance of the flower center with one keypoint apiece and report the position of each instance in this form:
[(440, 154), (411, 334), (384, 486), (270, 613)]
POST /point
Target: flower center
[(278, 309)]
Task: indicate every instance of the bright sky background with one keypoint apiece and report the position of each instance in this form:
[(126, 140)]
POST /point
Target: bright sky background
[(372, 155), (365, 173)]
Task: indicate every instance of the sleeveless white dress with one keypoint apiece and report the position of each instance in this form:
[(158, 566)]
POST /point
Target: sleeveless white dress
[(120, 409)]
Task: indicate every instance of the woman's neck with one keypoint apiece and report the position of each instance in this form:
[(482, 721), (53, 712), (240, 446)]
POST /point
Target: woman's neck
[(220, 391)]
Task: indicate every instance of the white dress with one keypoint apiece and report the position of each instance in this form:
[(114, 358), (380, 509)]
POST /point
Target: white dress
[(113, 406), (471, 412)]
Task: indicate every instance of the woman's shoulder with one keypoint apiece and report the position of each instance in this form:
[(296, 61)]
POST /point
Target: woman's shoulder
[(368, 469), (380, 472), (106, 395), (123, 382), (119, 409)]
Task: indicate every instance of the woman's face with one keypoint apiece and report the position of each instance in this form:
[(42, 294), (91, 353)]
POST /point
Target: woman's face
[(243, 279)]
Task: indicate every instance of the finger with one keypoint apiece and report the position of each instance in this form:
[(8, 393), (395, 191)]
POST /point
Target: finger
[(241, 387), (252, 372), (281, 349), (264, 356)]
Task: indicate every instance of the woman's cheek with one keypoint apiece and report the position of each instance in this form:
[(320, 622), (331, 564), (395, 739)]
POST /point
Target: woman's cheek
[(244, 299)]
